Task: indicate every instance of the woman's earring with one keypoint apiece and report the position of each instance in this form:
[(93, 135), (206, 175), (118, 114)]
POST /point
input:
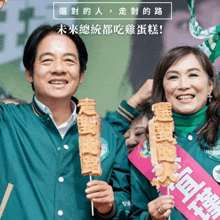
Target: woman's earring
[(210, 97)]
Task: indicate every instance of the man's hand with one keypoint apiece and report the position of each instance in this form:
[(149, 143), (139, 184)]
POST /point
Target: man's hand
[(101, 194), (142, 95)]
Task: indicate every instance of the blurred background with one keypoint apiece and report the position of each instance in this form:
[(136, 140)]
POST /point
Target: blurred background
[(119, 62)]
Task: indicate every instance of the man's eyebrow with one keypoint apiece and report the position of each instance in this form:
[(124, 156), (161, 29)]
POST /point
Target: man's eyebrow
[(71, 54), (44, 54), (66, 54)]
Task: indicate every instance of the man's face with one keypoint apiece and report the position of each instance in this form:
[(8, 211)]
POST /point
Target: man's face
[(56, 69)]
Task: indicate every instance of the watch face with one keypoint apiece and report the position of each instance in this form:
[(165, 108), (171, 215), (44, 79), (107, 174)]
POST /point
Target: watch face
[(216, 173)]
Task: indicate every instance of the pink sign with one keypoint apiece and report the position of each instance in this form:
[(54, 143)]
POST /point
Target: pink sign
[(196, 194)]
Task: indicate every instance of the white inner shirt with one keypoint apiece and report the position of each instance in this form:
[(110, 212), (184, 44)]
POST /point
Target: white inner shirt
[(63, 128)]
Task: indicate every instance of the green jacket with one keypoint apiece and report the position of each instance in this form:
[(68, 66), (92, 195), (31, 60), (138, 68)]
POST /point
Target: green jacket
[(33, 158), (142, 190)]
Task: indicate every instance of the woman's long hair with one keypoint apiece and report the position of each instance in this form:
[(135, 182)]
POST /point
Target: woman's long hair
[(210, 130)]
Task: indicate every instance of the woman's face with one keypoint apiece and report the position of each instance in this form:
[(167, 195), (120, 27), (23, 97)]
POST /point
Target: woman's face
[(136, 133), (186, 85)]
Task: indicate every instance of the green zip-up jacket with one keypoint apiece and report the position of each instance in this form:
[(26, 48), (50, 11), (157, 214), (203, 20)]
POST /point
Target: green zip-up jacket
[(143, 192), (45, 169)]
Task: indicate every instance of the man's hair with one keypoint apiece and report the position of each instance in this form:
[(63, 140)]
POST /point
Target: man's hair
[(30, 50)]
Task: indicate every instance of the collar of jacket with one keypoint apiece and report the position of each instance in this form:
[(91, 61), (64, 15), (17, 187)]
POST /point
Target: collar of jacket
[(39, 112)]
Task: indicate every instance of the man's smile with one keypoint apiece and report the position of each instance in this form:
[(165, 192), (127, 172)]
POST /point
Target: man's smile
[(58, 82)]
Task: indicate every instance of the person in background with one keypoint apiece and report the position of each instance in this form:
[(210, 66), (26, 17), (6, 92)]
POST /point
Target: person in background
[(137, 131), (137, 125)]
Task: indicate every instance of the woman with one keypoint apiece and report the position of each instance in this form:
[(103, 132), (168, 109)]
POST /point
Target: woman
[(136, 133), (186, 78)]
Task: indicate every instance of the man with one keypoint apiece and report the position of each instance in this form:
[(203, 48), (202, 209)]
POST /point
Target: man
[(39, 141)]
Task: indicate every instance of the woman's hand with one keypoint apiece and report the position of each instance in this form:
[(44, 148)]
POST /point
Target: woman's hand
[(101, 194), (142, 95), (160, 208)]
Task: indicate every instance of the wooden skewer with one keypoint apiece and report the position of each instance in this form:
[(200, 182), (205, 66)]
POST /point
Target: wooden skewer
[(92, 206), (168, 193), (5, 198)]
